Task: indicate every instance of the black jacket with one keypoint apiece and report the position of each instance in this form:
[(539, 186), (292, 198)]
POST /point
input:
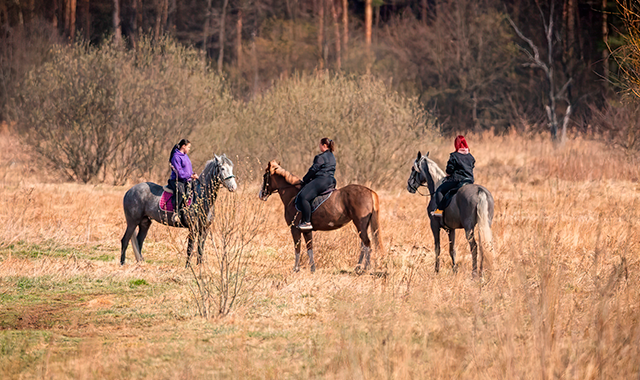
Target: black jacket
[(324, 165), (460, 167)]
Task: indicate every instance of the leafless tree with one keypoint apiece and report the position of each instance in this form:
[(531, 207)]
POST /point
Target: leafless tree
[(534, 60), (116, 21), (336, 29), (223, 17)]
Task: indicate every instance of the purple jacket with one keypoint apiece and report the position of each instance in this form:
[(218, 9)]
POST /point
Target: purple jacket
[(182, 165)]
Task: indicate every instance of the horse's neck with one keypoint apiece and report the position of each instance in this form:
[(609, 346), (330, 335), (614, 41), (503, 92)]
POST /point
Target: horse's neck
[(209, 185), (435, 173), (286, 190)]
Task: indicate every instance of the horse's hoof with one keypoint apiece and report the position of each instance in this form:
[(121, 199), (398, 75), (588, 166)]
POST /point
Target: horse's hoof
[(296, 269), (313, 268), (359, 270)]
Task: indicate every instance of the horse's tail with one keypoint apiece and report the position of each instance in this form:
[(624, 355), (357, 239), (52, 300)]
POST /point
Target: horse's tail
[(136, 246), (375, 222), (484, 227)]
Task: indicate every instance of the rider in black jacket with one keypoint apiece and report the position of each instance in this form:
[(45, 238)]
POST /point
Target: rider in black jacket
[(319, 178), (459, 172)]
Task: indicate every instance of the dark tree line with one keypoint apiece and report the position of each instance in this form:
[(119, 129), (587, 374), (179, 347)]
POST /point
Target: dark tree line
[(463, 59)]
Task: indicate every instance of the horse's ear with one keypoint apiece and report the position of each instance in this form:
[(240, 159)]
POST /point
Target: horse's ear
[(420, 155), (427, 154)]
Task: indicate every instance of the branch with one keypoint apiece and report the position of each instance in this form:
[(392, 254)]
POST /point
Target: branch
[(536, 53), (561, 94)]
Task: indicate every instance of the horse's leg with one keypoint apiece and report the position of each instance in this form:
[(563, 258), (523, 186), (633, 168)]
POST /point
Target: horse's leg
[(474, 251), (452, 249), (297, 237), (435, 229), (131, 228), (142, 234), (308, 237), (190, 247), (365, 246), (202, 238)]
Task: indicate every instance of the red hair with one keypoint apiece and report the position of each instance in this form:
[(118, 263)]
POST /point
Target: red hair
[(461, 143)]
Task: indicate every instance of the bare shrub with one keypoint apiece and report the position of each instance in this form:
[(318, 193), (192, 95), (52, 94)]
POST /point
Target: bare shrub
[(94, 111), (375, 128), (619, 123), (226, 272)]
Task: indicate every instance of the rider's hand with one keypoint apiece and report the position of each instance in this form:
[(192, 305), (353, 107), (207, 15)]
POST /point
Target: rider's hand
[(194, 176)]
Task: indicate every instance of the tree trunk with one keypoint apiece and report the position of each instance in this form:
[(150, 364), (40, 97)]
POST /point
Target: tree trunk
[(368, 23), (345, 23), (87, 20), (336, 27), (223, 17), (254, 55), (239, 42), (424, 12), (67, 16), (205, 33), (139, 14), (56, 7), (161, 7), (571, 35), (368, 20), (116, 22), (72, 19), (320, 5), (165, 16), (134, 23), (605, 39)]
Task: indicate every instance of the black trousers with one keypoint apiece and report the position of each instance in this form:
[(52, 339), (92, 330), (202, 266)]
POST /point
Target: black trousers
[(443, 189), (310, 191), (179, 193)]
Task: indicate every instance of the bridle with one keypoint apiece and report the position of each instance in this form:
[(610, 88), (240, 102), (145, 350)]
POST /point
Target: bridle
[(266, 188), (417, 188), (219, 165)]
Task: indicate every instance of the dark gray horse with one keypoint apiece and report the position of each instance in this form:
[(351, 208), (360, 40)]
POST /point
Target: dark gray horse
[(142, 205), (471, 205)]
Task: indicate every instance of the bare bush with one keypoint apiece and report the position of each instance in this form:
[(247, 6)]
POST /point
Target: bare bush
[(106, 111), (619, 123), (374, 127), (225, 273)]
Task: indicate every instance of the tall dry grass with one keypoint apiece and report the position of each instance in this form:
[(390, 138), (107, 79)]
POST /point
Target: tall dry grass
[(560, 301)]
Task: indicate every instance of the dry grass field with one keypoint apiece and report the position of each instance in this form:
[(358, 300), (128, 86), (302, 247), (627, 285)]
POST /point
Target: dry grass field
[(561, 299)]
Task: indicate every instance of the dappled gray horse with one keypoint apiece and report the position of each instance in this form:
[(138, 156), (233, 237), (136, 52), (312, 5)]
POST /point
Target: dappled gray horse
[(142, 205), (471, 205)]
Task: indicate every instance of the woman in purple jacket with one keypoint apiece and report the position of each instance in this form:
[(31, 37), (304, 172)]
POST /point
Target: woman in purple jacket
[(181, 172)]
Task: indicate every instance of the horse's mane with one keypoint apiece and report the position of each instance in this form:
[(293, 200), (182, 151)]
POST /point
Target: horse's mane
[(275, 168), (436, 173), (211, 166)]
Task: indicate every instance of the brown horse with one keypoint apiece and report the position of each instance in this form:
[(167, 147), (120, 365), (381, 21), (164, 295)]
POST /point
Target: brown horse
[(354, 203)]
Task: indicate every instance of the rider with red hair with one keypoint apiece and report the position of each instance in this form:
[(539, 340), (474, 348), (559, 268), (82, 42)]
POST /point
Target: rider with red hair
[(459, 172)]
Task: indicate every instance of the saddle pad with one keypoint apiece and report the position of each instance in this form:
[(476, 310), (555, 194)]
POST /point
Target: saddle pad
[(319, 200), (166, 203)]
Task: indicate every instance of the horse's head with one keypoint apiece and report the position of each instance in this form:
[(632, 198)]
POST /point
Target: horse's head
[(418, 176), (424, 170), (268, 185), (225, 173)]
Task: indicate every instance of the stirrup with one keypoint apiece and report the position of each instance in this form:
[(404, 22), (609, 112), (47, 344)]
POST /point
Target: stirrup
[(437, 213)]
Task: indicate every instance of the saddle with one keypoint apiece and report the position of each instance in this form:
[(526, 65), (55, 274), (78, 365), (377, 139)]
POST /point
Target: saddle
[(166, 200), (448, 196), (319, 200)]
